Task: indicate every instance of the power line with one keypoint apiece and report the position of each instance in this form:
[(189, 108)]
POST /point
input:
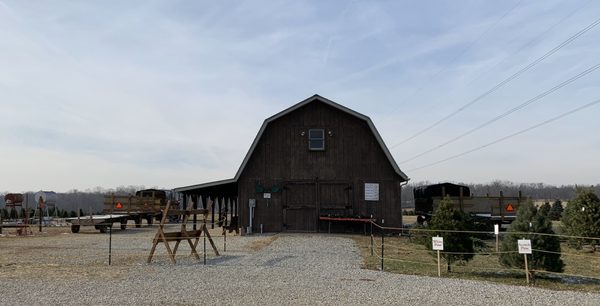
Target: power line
[(530, 42), (462, 53), (501, 84), (509, 136), (510, 111)]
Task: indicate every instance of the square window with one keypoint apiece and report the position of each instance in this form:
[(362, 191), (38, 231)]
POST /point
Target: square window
[(316, 140)]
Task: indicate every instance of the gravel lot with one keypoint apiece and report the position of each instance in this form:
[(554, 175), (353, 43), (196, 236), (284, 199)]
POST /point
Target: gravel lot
[(71, 269)]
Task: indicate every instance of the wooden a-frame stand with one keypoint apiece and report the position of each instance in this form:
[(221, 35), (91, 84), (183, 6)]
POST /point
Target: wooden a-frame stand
[(183, 234)]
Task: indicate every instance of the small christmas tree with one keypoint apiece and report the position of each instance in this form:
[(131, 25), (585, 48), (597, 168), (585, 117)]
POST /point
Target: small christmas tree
[(546, 249), (446, 218), (556, 210), (582, 217), (545, 209)]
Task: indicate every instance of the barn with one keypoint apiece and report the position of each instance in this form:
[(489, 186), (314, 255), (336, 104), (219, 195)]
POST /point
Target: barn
[(311, 165)]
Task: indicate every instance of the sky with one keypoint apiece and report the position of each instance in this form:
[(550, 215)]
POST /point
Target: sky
[(172, 93)]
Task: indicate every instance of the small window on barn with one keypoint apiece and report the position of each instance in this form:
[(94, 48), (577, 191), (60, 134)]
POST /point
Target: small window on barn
[(316, 140)]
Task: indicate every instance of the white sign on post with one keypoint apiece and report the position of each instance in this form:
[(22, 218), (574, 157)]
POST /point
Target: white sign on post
[(267, 195), (437, 243), (524, 246), (496, 229), (371, 192)]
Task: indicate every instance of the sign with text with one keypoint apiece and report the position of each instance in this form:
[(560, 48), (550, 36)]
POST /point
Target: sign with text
[(496, 229), (437, 243), (371, 192), (267, 195), (524, 246)]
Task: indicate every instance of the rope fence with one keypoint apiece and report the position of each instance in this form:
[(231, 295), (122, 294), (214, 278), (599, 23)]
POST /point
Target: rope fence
[(425, 230), (388, 248)]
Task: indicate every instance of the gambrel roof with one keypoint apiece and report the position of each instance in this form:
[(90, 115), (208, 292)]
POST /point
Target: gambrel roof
[(287, 111)]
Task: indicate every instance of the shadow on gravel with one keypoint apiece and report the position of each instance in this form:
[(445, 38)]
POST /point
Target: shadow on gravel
[(542, 276), (274, 261), (223, 259)]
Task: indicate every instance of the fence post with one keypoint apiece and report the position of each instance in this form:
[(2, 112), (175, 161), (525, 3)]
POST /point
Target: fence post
[(526, 269), (371, 237), (205, 246), (382, 248), (109, 244)]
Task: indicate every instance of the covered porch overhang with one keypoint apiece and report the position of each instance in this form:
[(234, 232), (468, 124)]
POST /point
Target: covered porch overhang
[(217, 190), (223, 194)]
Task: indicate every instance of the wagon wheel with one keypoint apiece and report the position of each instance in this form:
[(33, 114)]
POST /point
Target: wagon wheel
[(101, 228), (75, 229)]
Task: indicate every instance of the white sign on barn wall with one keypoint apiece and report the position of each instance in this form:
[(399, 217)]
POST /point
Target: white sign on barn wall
[(437, 243), (524, 246), (371, 192)]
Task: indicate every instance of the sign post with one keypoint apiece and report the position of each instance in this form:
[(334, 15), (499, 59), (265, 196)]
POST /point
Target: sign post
[(438, 245), (496, 232), (525, 248)]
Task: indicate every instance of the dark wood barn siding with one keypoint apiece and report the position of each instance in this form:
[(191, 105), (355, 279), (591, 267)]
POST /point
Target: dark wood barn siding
[(309, 181)]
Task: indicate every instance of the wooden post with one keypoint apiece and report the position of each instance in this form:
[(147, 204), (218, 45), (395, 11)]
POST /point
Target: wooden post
[(382, 249), (224, 240), (1, 222), (526, 269), (109, 243), (221, 212), (439, 266), (213, 212), (371, 235), (40, 201), (501, 202), (227, 210), (195, 206)]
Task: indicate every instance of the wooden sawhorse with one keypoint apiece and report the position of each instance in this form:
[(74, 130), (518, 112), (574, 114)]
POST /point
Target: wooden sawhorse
[(183, 234)]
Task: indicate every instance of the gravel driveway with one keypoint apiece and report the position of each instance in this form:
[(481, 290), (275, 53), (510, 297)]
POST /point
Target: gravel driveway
[(71, 269)]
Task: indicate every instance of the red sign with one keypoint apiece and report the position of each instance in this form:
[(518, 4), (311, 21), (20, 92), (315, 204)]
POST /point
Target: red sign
[(510, 208), (119, 205)]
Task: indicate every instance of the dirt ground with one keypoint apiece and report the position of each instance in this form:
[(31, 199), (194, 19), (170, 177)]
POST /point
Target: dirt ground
[(58, 253)]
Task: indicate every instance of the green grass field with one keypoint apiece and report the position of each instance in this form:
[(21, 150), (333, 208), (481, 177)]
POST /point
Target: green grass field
[(405, 256)]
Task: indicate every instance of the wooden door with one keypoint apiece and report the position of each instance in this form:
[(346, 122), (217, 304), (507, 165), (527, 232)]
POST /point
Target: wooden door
[(335, 199), (300, 209)]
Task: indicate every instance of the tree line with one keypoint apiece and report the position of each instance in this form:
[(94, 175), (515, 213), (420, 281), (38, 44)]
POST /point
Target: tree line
[(88, 201)]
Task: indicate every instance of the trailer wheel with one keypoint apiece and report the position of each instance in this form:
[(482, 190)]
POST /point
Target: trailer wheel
[(123, 225), (149, 219), (138, 222), (75, 229), (101, 228)]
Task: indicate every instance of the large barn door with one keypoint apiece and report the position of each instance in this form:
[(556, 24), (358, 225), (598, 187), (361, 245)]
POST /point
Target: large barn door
[(300, 209), (334, 199)]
